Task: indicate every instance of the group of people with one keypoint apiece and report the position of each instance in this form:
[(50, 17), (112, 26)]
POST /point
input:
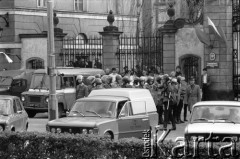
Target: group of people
[(171, 93)]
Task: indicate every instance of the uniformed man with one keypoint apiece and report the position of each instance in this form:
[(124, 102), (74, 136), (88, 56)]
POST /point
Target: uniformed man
[(126, 82), (91, 83), (167, 102), (142, 82), (98, 84), (159, 104), (118, 82), (106, 81), (82, 89)]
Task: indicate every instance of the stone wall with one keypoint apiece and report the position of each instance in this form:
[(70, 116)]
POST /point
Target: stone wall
[(220, 12)]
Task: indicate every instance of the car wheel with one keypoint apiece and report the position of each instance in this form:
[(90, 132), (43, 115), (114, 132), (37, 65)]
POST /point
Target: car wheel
[(60, 110), (108, 135), (31, 114)]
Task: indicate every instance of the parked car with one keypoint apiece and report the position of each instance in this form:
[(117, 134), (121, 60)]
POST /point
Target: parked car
[(13, 117), (35, 100), (216, 118), (117, 113), (14, 82)]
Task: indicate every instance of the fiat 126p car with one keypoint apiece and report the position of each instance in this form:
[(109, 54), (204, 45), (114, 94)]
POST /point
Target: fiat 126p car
[(116, 113), (13, 117)]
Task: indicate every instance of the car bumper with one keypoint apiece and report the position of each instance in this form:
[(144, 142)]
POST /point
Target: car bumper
[(36, 109)]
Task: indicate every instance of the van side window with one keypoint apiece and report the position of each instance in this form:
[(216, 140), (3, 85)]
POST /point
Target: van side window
[(18, 105), (68, 82), (119, 107), (126, 110)]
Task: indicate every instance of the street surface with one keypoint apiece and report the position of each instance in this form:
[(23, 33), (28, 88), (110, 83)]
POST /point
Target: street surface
[(38, 123)]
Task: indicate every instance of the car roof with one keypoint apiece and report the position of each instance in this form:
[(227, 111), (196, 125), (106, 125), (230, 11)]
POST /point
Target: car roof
[(103, 98), (121, 92), (218, 103), (75, 71), (7, 97)]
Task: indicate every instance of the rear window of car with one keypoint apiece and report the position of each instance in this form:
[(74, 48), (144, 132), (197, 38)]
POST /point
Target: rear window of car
[(216, 113)]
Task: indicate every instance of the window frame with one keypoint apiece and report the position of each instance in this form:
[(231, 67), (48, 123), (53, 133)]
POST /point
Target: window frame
[(42, 3), (75, 2)]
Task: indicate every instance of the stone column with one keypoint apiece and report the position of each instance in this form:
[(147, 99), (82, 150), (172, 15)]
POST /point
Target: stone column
[(111, 43), (168, 32)]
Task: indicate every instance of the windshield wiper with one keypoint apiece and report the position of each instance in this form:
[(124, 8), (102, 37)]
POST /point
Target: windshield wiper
[(202, 119), (94, 113), (78, 112), (226, 120)]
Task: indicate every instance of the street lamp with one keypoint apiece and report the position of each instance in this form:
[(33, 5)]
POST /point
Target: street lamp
[(9, 60)]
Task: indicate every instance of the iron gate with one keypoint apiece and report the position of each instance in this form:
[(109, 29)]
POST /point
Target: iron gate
[(144, 51), (191, 68), (236, 42), (89, 50)]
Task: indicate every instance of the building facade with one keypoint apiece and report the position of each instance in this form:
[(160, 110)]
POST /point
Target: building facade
[(76, 17), (184, 48)]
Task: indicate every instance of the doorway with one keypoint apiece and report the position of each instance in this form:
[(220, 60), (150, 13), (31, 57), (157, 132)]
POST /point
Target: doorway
[(191, 66)]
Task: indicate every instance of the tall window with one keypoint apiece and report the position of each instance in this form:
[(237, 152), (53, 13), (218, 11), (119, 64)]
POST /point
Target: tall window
[(42, 3), (78, 5)]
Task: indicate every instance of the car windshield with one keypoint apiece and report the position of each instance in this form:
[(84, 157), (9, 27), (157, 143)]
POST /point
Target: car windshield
[(5, 81), (5, 107), (216, 114), (94, 108), (41, 81)]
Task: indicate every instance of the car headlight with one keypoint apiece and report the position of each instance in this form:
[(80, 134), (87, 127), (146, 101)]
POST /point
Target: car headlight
[(84, 131), (23, 98), (47, 99), (1, 128), (53, 130), (59, 130)]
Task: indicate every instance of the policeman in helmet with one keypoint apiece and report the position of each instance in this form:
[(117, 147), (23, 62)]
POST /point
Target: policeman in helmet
[(105, 80), (98, 84), (126, 82), (91, 84), (118, 82), (82, 89), (142, 82)]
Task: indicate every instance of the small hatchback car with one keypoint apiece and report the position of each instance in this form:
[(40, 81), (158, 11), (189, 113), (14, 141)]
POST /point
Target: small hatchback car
[(13, 117), (214, 119)]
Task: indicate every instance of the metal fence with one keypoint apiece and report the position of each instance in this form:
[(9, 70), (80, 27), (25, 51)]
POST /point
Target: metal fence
[(88, 50), (236, 50), (145, 52)]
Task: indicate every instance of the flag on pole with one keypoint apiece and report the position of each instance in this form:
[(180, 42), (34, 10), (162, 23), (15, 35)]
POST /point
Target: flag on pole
[(9, 60)]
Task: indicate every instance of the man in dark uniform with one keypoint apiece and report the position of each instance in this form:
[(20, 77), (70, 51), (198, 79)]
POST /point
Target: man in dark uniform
[(82, 89)]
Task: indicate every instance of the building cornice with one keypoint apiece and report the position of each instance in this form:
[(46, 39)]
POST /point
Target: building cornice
[(66, 14)]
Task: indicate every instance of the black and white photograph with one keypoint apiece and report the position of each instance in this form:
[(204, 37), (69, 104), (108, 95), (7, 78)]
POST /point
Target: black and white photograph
[(119, 79)]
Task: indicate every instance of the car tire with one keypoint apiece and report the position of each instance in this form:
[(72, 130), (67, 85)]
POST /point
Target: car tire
[(60, 110), (31, 113)]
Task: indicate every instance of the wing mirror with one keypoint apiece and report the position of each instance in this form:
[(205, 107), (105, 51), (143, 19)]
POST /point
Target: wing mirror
[(67, 112)]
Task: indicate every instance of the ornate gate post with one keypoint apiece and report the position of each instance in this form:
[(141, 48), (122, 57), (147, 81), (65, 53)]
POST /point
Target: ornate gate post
[(111, 43)]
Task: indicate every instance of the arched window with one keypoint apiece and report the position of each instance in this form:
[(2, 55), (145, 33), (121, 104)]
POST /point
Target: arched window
[(35, 63)]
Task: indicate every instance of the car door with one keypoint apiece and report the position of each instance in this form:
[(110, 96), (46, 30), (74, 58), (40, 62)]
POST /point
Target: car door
[(16, 123), (22, 117), (132, 123)]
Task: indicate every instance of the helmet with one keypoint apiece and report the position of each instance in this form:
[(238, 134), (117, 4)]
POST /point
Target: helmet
[(97, 76), (109, 78), (79, 77), (126, 79), (136, 79), (166, 77), (158, 79), (142, 78), (174, 80), (118, 77), (104, 78), (98, 81), (150, 79), (182, 78), (91, 79)]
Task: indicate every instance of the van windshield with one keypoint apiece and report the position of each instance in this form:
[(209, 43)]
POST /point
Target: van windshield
[(94, 108), (5, 81), (41, 81)]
